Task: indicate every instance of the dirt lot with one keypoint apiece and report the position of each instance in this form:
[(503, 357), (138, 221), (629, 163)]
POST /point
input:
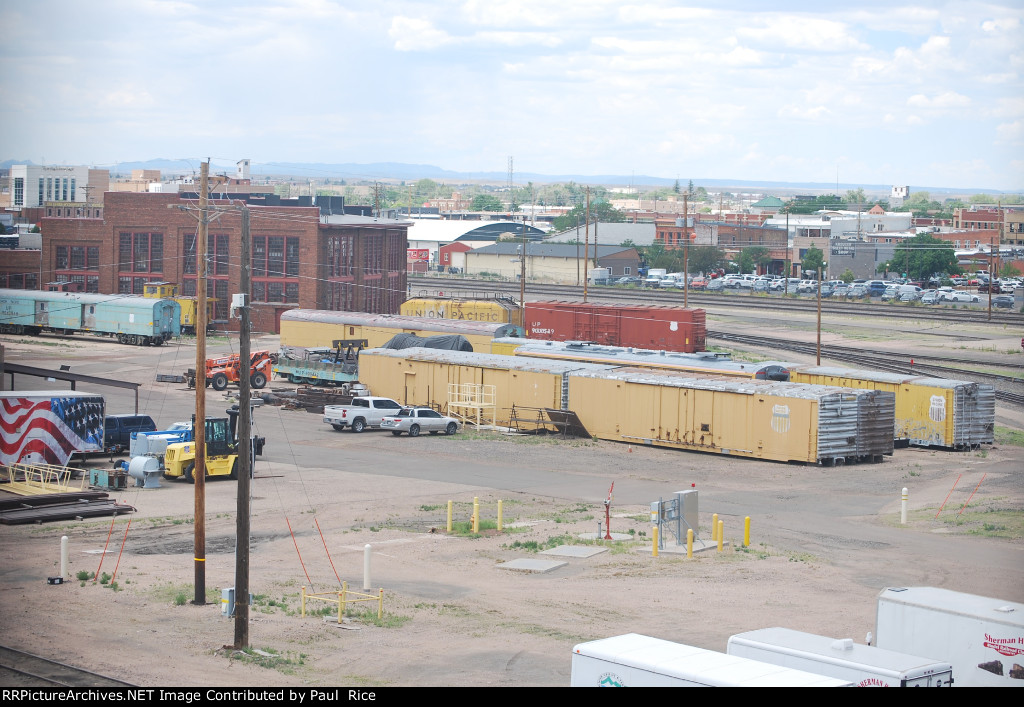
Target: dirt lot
[(824, 542)]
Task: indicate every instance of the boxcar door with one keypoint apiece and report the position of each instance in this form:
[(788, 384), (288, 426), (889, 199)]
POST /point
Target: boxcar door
[(42, 314), (88, 316)]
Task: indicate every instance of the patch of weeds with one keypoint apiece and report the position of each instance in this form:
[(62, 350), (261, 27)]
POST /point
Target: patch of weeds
[(435, 507), (422, 605), (802, 557), (529, 545), (115, 586), (180, 599), (747, 550), (266, 658), (83, 575), (369, 616), (105, 578), (1009, 437), (464, 529)]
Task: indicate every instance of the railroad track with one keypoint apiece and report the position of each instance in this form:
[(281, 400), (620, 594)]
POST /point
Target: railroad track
[(21, 669), (1008, 389), (480, 289)]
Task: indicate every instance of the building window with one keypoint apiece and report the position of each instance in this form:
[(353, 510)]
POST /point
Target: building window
[(275, 260), (19, 191), (40, 191), (141, 253), (72, 189)]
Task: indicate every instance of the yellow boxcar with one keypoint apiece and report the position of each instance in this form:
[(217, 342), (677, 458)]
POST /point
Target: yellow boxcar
[(420, 376), (495, 311), (758, 419), (317, 327), (929, 411)]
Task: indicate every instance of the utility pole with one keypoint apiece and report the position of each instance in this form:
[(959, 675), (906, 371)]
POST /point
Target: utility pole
[(818, 350), (244, 448), (586, 247), (686, 253), (199, 424), (522, 279)]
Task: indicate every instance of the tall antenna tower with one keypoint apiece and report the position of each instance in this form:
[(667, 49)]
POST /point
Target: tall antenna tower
[(510, 173)]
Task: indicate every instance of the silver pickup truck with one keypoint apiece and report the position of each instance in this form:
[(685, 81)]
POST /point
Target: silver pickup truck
[(364, 412)]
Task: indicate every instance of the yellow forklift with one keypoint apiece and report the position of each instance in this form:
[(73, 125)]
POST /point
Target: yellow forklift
[(221, 450)]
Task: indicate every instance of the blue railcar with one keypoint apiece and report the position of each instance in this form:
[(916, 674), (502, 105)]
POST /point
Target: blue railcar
[(132, 320)]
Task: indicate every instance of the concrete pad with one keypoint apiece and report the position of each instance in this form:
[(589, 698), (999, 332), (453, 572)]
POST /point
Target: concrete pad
[(537, 566), (673, 549), (575, 551), (615, 536)]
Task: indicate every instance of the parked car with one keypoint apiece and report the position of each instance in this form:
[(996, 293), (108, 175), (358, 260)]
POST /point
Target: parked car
[(930, 297), (716, 285), (760, 286), (840, 290), (415, 420), (118, 429), (857, 292), (628, 280), (1003, 301), (910, 296), (699, 283), (960, 296), (807, 287)]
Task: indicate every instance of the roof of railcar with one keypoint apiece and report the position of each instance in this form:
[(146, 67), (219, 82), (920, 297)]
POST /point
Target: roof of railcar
[(392, 321)]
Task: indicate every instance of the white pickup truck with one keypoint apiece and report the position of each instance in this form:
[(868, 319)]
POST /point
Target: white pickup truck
[(364, 412)]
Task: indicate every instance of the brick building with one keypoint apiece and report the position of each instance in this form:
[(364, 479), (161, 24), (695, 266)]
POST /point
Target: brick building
[(299, 259)]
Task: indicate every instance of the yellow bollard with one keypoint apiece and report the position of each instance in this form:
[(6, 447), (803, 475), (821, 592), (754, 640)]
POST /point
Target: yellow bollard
[(499, 516), (303, 612), (654, 541), (721, 534), (476, 514), (746, 532), (449, 516), (714, 527), (689, 542)]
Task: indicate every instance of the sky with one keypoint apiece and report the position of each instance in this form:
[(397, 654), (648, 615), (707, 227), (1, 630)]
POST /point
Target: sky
[(901, 93)]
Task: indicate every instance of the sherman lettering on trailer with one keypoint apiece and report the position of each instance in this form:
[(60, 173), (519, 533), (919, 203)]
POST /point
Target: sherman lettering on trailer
[(48, 427)]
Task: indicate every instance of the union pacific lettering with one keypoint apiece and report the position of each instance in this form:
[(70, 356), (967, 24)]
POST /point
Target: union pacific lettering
[(1008, 647)]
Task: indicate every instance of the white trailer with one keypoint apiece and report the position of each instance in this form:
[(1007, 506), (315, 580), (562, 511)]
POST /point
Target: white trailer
[(867, 666), (982, 638), (633, 660)]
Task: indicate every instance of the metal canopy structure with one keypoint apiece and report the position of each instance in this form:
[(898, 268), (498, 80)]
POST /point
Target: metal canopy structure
[(74, 378)]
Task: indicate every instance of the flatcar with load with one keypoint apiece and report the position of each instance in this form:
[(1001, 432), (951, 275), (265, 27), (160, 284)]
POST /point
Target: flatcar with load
[(131, 320)]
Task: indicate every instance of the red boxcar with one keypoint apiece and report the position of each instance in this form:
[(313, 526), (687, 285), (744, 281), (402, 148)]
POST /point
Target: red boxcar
[(641, 326)]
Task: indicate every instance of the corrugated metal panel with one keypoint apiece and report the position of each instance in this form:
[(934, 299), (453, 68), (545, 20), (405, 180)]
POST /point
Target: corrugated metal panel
[(837, 427), (875, 424)]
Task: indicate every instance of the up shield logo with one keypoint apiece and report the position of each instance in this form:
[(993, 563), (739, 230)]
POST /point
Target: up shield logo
[(780, 418), (937, 408)]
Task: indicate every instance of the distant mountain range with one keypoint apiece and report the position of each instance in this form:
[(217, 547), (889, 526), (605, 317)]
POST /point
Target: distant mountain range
[(399, 171)]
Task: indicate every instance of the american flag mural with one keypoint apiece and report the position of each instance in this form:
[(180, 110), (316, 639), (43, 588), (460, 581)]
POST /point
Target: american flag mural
[(47, 429)]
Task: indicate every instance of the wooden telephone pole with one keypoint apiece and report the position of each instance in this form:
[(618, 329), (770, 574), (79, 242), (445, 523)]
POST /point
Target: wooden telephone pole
[(244, 448), (199, 424)]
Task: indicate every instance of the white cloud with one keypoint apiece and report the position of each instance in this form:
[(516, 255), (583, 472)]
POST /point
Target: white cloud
[(803, 33), (411, 35), (1012, 133), (947, 99)]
